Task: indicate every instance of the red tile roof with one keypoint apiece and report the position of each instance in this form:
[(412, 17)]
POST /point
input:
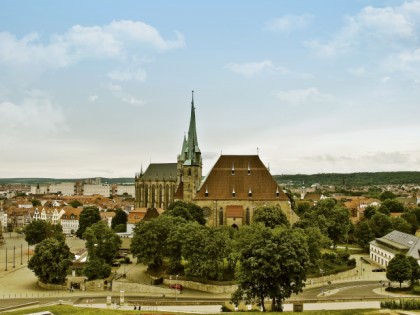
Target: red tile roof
[(241, 174)]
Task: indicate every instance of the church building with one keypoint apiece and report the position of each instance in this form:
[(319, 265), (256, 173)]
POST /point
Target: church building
[(229, 194), (162, 183)]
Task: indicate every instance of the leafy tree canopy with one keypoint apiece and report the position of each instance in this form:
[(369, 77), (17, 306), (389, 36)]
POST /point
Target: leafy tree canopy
[(369, 212), (380, 224), (399, 269), (88, 216), (391, 205), (196, 211), (96, 269), (39, 230), (364, 234), (270, 217), (387, 195), (119, 218), (149, 239), (272, 265), (75, 203), (51, 260), (101, 242), (35, 202)]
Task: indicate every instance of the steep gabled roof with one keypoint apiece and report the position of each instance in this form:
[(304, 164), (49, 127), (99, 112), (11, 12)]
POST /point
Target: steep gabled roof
[(160, 171), (240, 177)]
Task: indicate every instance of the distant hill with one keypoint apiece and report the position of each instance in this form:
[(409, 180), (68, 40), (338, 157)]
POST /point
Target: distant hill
[(34, 181), (351, 179), (336, 179)]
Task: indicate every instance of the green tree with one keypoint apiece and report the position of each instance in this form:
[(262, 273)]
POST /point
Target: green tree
[(302, 208), (119, 218), (36, 202), (88, 216), (195, 210), (180, 212), (51, 260), (316, 243), (401, 225), (387, 195), (399, 269), (380, 224), (412, 216), (391, 206), (102, 242), (332, 219), (75, 203), (270, 217), (204, 261), (272, 265), (149, 240), (39, 230), (415, 270), (369, 212), (96, 269), (363, 234)]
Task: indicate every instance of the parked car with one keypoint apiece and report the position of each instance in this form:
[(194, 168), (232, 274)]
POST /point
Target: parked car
[(379, 270), (176, 286)]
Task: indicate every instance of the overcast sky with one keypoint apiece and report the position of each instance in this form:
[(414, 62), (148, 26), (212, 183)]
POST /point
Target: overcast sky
[(100, 88)]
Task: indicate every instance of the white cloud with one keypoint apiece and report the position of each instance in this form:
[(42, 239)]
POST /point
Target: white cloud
[(35, 114), (251, 69), (93, 98), (128, 74), (140, 32), (289, 23), (408, 60), (302, 96), (114, 87), (83, 42), (371, 27), (132, 101)]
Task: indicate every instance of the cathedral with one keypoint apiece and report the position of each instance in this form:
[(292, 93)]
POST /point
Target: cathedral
[(229, 194)]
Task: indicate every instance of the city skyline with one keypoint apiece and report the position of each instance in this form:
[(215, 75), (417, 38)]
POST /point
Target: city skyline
[(103, 88)]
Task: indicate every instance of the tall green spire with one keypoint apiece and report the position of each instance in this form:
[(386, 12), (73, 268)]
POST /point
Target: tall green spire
[(193, 151)]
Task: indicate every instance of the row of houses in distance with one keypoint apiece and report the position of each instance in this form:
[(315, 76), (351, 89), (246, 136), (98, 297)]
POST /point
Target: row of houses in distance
[(67, 216), (82, 189)]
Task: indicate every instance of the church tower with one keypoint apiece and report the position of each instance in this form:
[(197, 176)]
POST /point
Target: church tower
[(189, 166)]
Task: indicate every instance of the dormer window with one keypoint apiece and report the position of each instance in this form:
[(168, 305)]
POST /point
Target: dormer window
[(250, 192), (249, 170), (277, 192), (233, 192), (206, 193), (233, 168)]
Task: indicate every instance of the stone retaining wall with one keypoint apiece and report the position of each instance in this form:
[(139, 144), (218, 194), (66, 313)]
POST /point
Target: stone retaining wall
[(211, 288), (118, 286), (49, 286)]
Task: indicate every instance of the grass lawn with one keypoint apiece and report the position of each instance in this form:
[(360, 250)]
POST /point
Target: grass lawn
[(70, 310)]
